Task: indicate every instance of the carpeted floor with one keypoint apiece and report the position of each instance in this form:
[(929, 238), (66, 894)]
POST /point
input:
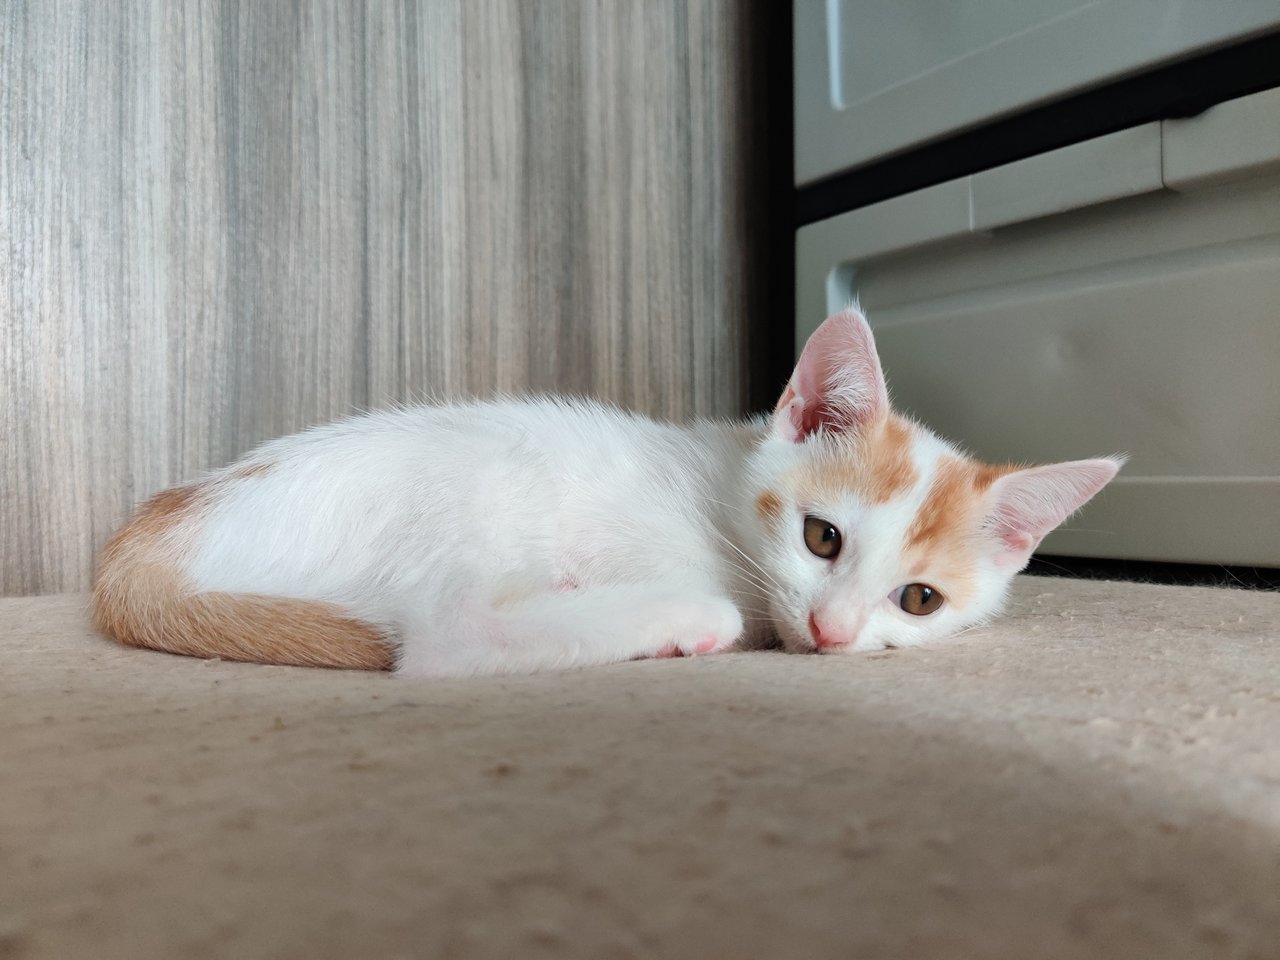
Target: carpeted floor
[(1096, 775)]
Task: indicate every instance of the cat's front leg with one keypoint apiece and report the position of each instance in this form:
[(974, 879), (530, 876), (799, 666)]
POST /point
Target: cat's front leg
[(567, 628), (686, 623)]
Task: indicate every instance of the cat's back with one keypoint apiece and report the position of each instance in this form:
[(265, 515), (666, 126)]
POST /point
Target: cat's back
[(447, 433), (390, 490), (442, 456)]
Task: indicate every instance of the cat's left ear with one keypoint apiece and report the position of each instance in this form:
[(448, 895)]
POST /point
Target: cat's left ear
[(837, 384), (1025, 505)]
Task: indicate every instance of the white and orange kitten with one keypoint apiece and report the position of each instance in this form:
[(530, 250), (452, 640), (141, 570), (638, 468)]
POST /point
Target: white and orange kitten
[(512, 536)]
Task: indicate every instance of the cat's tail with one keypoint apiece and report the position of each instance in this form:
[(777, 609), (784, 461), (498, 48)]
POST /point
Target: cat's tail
[(141, 599)]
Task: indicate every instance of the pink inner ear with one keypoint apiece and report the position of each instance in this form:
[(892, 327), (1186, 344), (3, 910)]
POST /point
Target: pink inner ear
[(1030, 503), (837, 382), (798, 418)]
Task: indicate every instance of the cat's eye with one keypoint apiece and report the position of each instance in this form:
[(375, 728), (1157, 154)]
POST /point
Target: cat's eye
[(918, 599), (822, 538)]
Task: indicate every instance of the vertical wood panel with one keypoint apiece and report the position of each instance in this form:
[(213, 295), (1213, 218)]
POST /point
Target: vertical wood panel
[(222, 221)]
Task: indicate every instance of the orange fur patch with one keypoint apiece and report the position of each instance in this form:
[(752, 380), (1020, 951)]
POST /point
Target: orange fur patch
[(941, 538), (302, 633), (251, 470), (876, 467), (953, 498), (889, 460), (769, 506), (140, 600)]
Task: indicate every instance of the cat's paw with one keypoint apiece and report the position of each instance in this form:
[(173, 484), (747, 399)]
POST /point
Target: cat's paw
[(702, 626)]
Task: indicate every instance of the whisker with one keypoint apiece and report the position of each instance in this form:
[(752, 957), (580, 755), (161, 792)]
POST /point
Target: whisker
[(745, 571), (745, 556), (752, 579), (753, 585), (1227, 571), (1056, 566), (719, 502)]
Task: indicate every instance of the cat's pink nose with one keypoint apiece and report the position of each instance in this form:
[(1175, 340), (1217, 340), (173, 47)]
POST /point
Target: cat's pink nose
[(824, 636)]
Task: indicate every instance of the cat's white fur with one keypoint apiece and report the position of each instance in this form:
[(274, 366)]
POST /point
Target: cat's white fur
[(494, 537), (522, 535)]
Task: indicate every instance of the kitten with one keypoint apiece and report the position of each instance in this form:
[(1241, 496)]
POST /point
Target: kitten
[(514, 536)]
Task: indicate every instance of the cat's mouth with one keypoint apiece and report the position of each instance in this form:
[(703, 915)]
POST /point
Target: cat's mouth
[(795, 639)]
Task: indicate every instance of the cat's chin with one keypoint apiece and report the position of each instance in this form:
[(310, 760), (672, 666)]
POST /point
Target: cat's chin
[(795, 642)]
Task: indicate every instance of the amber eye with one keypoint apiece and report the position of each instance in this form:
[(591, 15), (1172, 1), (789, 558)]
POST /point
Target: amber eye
[(822, 538), (919, 599)]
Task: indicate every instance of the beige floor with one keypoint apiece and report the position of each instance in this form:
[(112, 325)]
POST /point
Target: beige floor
[(1097, 775)]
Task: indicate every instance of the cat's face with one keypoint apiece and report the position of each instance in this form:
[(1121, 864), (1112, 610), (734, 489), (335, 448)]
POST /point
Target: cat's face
[(876, 532)]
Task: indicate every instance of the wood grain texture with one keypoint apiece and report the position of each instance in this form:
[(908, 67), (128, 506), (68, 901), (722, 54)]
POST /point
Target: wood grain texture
[(221, 222)]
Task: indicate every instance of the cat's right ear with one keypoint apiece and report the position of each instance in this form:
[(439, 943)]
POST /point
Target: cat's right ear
[(837, 385)]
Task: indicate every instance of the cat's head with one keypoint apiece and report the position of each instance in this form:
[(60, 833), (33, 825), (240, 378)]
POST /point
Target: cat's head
[(877, 532)]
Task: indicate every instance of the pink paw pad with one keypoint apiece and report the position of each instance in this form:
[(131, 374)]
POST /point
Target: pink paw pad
[(670, 650), (706, 645)]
